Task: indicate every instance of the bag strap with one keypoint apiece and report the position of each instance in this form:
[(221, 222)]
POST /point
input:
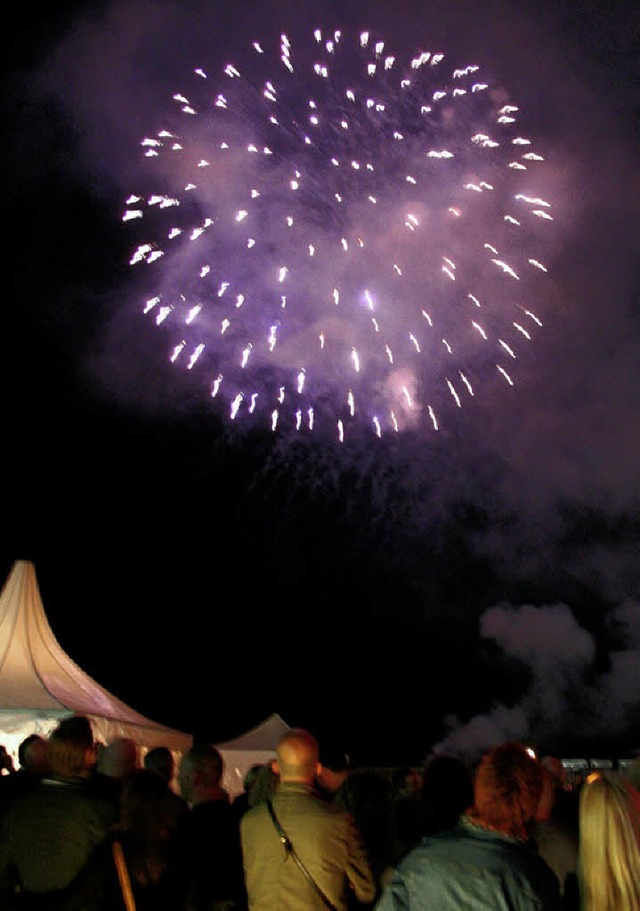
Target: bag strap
[(123, 876), (290, 851)]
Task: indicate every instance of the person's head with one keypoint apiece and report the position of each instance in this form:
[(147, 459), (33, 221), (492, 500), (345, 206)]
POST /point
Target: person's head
[(413, 781), (147, 818), (251, 776), (262, 785), (507, 788), (297, 757), (406, 781), (160, 760), (200, 774), (335, 767), (77, 727), (119, 759), (6, 762), (70, 748), (609, 845), (447, 791), (32, 754), (144, 804)]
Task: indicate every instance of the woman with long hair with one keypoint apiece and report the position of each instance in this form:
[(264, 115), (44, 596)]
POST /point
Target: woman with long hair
[(609, 850)]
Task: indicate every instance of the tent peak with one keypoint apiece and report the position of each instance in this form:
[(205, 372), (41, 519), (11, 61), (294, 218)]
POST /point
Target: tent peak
[(39, 681)]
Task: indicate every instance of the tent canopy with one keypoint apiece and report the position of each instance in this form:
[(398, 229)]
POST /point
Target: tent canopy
[(40, 684)]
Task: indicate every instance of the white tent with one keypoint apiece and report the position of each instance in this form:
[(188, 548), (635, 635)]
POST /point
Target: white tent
[(258, 745), (40, 684)]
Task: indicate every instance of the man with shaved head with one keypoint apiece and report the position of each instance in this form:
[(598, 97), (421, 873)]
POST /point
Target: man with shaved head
[(322, 834)]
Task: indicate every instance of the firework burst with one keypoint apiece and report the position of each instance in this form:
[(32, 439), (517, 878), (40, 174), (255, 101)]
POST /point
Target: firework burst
[(338, 238)]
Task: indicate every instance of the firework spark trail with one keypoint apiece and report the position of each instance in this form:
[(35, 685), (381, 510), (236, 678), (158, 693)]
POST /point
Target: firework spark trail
[(350, 237)]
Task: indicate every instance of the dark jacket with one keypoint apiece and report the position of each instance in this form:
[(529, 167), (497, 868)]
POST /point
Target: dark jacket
[(209, 854), (474, 868), (326, 839), (50, 833), (98, 887)]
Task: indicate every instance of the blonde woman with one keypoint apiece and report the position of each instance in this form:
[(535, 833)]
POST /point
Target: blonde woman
[(609, 852)]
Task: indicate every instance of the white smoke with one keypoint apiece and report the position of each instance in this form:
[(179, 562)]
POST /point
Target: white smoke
[(561, 656)]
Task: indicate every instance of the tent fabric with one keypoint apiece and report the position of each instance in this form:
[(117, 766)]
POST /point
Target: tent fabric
[(40, 683), (256, 746), (263, 737)]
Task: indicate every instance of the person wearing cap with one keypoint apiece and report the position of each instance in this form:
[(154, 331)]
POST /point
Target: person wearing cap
[(368, 796), (332, 778)]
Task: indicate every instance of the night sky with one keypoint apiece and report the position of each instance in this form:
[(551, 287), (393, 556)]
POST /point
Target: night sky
[(428, 589)]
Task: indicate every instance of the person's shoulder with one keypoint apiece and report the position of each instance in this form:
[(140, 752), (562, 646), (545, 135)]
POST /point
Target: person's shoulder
[(18, 780), (529, 870), (14, 803), (52, 788), (339, 810), (213, 813), (464, 841), (213, 808), (256, 812), (254, 816), (336, 812), (439, 842), (519, 858), (311, 797), (177, 803)]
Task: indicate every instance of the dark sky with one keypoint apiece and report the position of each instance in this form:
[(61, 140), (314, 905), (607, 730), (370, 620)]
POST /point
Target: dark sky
[(427, 588)]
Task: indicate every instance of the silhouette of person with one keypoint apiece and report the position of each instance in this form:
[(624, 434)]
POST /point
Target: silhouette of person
[(52, 830), (208, 836), (32, 765)]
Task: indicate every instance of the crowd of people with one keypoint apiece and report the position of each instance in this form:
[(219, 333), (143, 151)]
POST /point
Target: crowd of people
[(108, 827)]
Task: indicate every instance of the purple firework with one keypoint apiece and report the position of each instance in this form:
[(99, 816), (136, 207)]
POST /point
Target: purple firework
[(335, 237)]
